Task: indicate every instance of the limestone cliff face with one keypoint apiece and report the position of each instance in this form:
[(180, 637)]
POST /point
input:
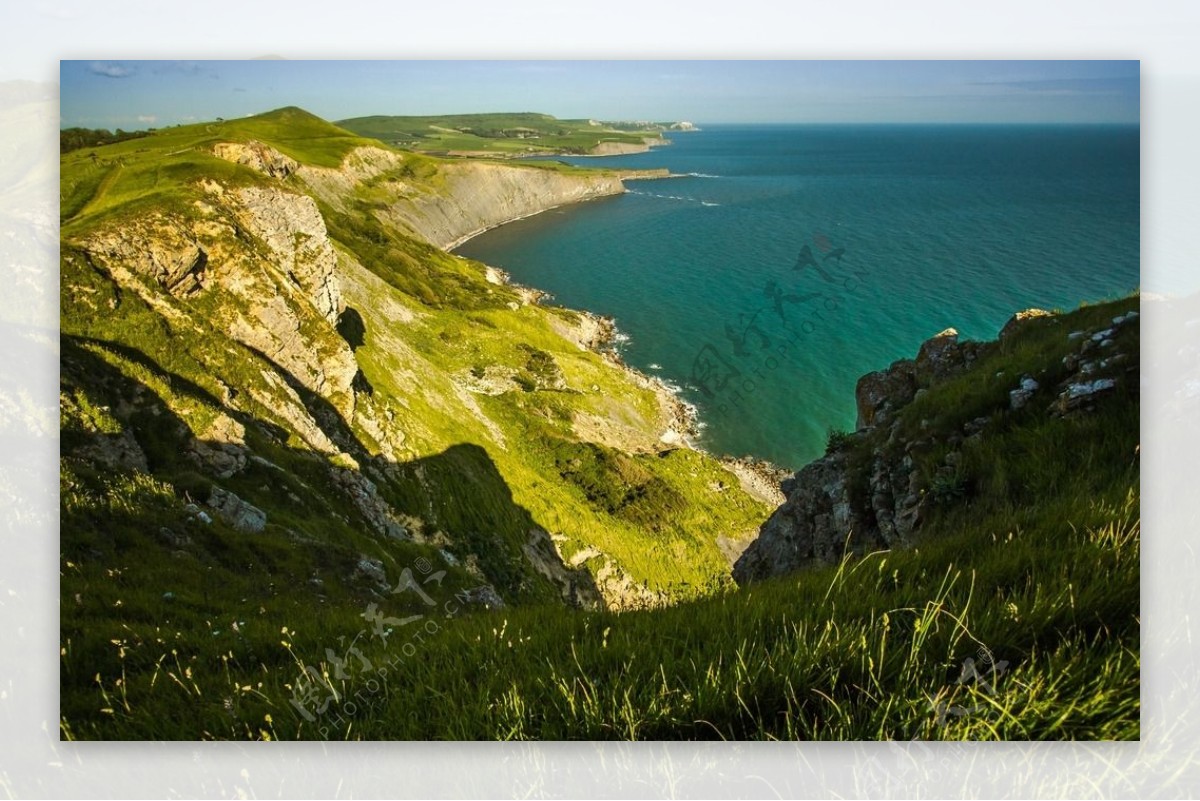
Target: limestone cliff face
[(243, 281), (257, 156), (477, 196), (258, 259), (625, 148), (295, 235), (874, 489), (463, 199)]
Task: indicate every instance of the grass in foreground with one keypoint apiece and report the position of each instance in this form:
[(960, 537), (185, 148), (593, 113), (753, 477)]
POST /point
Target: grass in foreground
[(1043, 599), (872, 650)]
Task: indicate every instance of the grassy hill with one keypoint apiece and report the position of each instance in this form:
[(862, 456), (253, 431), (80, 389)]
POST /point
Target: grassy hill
[(500, 134), (322, 480), (161, 170)]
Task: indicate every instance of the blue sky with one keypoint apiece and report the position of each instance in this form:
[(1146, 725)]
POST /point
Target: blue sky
[(140, 94)]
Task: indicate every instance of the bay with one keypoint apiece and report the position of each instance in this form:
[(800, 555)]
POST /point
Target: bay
[(786, 261)]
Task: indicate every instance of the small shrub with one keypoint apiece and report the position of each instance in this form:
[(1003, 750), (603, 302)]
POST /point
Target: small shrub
[(525, 381), (948, 488), (836, 440)]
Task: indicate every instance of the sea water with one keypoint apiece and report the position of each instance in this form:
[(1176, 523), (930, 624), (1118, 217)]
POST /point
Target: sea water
[(787, 261)]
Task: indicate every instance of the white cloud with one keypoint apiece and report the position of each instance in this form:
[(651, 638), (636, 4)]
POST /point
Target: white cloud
[(109, 70), (149, 119)]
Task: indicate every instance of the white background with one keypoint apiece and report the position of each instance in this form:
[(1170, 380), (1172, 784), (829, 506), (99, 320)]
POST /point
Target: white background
[(35, 35)]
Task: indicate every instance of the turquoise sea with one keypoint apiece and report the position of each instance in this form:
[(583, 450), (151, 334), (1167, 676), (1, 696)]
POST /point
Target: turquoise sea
[(789, 260)]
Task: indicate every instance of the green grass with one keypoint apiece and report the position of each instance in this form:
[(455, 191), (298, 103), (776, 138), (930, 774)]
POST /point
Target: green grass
[(189, 365), (873, 648), (160, 170), (1031, 550), (502, 134)]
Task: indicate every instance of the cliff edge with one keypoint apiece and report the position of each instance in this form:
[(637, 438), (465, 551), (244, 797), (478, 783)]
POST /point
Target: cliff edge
[(954, 428)]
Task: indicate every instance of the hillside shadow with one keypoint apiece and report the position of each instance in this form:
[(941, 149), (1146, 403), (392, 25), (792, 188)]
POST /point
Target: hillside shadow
[(458, 493)]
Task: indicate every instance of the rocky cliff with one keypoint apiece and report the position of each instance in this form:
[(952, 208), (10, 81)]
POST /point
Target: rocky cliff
[(269, 332), (478, 196), (927, 425), (445, 203)]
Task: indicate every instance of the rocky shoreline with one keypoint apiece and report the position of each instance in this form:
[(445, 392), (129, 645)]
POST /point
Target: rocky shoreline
[(876, 487), (599, 334)]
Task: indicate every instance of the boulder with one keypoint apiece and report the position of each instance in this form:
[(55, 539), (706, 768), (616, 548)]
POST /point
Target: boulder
[(880, 394), (1081, 395), (236, 512), (1020, 396)]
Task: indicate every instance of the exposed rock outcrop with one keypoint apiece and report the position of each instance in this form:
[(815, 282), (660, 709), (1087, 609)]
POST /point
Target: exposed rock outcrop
[(221, 450), (878, 395), (236, 512), (574, 583), (877, 487), (365, 495), (257, 156), (478, 196), (943, 356), (1018, 320), (161, 246), (117, 451), (626, 148), (294, 231)]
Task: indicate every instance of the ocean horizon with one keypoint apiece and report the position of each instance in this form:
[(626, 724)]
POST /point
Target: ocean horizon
[(785, 261)]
